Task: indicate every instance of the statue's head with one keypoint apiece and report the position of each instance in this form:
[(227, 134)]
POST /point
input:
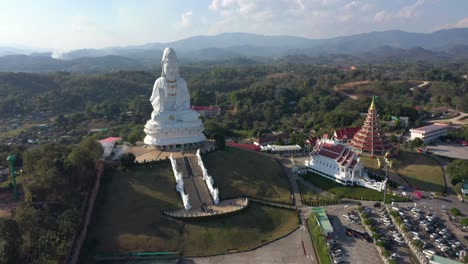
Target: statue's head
[(170, 65)]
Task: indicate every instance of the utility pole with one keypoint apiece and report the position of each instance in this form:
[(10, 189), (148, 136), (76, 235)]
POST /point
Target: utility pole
[(11, 161)]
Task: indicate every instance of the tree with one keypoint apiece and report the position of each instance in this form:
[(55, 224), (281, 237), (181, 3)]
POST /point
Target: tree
[(457, 171), (128, 160), (220, 142), (9, 241), (464, 222), (416, 143)]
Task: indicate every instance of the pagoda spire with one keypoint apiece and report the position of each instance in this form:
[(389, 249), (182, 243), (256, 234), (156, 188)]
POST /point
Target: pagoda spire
[(370, 138), (372, 105)]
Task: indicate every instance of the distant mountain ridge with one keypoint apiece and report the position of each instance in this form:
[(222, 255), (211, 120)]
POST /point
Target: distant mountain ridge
[(393, 44)]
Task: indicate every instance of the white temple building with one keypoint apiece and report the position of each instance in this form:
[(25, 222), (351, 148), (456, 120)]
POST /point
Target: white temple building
[(340, 163)]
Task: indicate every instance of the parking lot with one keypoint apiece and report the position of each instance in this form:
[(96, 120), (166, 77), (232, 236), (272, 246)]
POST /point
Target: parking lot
[(431, 229), (354, 250), (451, 150), (389, 235)]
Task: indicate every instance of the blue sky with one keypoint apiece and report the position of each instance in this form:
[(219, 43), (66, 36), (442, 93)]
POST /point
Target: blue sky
[(66, 24)]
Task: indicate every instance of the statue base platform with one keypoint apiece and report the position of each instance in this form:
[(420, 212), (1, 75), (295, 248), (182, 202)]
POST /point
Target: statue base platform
[(174, 130)]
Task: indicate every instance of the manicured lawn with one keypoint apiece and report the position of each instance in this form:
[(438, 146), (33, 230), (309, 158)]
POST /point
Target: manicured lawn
[(352, 192), (420, 171), (240, 172), (320, 244), (128, 219), (372, 164), (248, 229), (311, 198)]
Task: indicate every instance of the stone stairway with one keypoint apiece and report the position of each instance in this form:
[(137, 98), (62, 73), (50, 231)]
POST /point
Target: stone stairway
[(194, 184)]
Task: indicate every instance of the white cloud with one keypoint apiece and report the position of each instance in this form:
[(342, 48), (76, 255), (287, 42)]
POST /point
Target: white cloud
[(310, 18), (406, 12), (462, 23), (186, 19)]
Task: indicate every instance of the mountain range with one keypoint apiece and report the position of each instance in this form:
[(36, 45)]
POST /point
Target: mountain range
[(442, 45)]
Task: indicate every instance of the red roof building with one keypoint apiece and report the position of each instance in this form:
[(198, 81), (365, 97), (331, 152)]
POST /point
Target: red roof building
[(251, 147), (345, 134), (207, 111), (370, 138), (269, 139)]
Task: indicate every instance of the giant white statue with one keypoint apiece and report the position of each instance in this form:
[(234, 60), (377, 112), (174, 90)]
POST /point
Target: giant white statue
[(173, 124)]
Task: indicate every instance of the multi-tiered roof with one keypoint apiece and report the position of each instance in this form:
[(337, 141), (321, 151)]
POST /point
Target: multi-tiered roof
[(370, 138)]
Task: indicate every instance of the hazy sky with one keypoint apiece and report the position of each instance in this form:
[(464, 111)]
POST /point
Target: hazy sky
[(67, 24)]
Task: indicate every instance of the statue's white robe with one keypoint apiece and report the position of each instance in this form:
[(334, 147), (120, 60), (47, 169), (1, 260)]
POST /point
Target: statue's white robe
[(160, 94)]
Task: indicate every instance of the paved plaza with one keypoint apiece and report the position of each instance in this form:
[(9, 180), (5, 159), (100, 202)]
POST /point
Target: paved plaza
[(451, 150)]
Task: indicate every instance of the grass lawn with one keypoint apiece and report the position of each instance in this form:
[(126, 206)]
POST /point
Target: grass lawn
[(352, 192), (240, 172), (420, 171), (372, 164), (309, 197), (128, 219)]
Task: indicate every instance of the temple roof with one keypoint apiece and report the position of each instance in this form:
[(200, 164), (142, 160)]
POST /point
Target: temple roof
[(370, 138), (340, 153)]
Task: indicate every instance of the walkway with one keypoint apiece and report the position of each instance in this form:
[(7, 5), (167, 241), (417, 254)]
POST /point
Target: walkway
[(224, 207)]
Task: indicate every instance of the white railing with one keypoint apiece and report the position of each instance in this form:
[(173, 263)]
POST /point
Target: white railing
[(180, 184), (208, 179)]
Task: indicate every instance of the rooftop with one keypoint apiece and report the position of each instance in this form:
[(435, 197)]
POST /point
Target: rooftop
[(285, 147), (430, 128), (346, 133), (244, 146), (206, 108), (442, 260), (110, 139), (323, 219)]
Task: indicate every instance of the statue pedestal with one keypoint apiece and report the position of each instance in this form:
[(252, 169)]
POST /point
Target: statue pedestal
[(174, 130)]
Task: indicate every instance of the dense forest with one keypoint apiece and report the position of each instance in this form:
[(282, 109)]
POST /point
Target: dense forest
[(55, 182), (255, 98)]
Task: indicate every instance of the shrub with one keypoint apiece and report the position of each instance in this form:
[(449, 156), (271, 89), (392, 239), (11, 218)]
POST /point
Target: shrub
[(418, 243), (455, 212), (464, 222)]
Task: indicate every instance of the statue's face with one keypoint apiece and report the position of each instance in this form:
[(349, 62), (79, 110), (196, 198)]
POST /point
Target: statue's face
[(171, 70)]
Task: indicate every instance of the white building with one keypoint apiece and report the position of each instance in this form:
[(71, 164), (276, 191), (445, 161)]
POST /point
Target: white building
[(111, 150), (430, 132), (282, 149), (340, 163)]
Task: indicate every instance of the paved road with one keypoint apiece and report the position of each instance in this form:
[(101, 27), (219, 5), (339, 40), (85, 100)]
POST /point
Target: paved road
[(458, 120), (286, 250)]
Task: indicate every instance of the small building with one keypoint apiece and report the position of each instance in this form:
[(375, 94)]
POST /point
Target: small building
[(283, 149), (207, 111), (345, 134), (251, 147), (269, 139), (429, 133), (108, 144), (309, 143), (322, 220), (464, 189)]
